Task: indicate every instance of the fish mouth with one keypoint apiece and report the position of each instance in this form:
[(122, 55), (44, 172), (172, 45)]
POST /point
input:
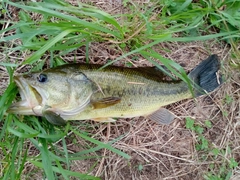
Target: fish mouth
[(30, 98)]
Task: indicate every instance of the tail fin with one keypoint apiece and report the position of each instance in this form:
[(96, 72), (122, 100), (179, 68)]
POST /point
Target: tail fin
[(205, 76)]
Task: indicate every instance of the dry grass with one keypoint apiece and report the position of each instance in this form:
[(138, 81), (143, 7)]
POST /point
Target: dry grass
[(160, 152), (168, 152)]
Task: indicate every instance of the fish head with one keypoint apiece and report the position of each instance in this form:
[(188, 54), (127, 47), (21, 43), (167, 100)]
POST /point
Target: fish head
[(63, 92)]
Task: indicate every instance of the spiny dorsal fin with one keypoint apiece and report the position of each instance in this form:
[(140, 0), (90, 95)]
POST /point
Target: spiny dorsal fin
[(162, 116)]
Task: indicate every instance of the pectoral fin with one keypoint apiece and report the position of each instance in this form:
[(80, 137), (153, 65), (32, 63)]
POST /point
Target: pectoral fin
[(54, 118), (162, 116), (105, 102)]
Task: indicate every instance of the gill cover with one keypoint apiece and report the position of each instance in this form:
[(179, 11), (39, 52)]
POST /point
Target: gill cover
[(55, 94)]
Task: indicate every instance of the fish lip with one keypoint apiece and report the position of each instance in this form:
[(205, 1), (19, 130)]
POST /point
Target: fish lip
[(23, 89), (28, 100)]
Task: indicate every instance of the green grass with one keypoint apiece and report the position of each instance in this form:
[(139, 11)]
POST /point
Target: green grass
[(62, 28), (208, 152)]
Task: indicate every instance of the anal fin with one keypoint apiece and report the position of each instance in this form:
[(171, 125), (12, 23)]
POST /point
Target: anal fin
[(104, 119), (162, 116)]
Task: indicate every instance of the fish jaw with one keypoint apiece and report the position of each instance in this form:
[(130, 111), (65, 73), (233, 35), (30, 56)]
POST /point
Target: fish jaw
[(30, 98)]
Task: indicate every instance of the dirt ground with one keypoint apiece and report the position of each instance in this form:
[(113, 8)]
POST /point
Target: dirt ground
[(157, 151)]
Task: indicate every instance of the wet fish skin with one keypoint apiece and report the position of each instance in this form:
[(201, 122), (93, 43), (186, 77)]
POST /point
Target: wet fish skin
[(82, 91), (57, 93)]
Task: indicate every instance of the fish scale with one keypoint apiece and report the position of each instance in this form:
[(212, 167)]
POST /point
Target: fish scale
[(136, 99), (85, 91)]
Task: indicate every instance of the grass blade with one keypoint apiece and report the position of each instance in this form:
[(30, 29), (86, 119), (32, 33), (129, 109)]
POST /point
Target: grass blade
[(6, 100), (107, 146), (70, 18), (67, 173), (48, 45), (46, 159)]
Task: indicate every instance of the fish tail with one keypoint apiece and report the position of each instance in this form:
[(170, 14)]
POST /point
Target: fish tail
[(206, 76)]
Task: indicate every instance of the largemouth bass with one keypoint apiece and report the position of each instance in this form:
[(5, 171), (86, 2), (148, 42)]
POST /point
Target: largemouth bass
[(82, 91)]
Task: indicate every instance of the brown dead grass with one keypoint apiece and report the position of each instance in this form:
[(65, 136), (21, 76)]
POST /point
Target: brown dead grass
[(159, 152), (168, 152)]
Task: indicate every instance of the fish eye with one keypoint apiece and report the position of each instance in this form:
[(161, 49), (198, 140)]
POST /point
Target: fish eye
[(42, 78)]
